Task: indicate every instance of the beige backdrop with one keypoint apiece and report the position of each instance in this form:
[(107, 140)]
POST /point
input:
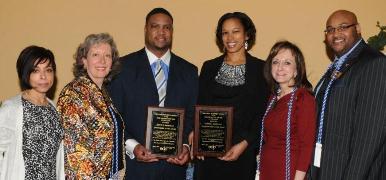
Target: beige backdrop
[(61, 25)]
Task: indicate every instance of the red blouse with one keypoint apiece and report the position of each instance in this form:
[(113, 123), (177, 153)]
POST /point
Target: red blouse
[(303, 124)]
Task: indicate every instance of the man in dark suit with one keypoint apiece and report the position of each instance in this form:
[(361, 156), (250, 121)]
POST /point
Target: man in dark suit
[(137, 87), (351, 99)]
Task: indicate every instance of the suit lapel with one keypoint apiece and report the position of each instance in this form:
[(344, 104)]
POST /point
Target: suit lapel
[(217, 65), (172, 83), (248, 69), (352, 58), (145, 75)]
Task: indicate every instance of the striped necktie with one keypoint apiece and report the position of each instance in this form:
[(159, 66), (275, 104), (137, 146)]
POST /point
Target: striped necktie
[(160, 81)]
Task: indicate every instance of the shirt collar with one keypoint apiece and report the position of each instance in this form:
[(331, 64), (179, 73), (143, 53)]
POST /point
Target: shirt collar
[(338, 62), (349, 51), (153, 58)]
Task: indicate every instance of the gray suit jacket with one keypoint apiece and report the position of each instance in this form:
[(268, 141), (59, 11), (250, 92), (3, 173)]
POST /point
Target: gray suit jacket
[(354, 142)]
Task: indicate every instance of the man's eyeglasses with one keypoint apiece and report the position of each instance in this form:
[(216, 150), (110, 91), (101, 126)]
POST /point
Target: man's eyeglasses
[(340, 28)]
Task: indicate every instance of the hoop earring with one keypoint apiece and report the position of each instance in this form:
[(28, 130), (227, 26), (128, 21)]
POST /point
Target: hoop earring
[(246, 45)]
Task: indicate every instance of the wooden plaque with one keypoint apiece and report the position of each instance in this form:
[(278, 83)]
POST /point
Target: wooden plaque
[(164, 131), (212, 130)]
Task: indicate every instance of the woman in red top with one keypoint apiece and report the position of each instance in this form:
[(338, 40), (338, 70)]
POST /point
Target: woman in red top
[(289, 121)]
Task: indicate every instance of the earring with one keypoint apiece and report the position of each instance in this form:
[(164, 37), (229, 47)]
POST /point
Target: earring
[(246, 45)]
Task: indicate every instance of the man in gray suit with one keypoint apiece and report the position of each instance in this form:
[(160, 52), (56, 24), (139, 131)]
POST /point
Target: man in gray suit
[(351, 104)]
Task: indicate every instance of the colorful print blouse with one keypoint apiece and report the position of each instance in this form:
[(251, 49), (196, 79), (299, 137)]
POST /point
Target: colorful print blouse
[(88, 130)]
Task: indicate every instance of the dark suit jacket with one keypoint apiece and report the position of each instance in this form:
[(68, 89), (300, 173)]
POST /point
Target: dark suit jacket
[(249, 103), (134, 89), (354, 144), (253, 101)]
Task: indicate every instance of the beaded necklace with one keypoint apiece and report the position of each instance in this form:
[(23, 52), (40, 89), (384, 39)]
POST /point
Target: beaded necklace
[(114, 168), (288, 133)]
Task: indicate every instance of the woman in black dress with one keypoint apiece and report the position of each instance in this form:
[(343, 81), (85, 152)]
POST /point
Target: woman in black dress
[(234, 79)]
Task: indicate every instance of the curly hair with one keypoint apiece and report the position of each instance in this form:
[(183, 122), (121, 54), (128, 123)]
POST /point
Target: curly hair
[(84, 48)]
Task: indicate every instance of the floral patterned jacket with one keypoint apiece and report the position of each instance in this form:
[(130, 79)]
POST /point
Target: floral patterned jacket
[(88, 130)]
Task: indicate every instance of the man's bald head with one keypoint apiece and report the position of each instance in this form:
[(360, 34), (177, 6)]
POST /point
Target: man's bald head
[(343, 13), (342, 31)]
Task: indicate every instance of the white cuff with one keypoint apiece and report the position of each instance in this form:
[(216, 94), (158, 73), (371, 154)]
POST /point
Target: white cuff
[(188, 146), (129, 146)]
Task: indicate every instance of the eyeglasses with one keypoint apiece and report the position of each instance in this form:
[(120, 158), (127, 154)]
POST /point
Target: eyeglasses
[(340, 28)]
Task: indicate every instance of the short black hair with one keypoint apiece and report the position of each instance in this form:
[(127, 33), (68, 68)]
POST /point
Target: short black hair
[(27, 61), (247, 23), (158, 10)]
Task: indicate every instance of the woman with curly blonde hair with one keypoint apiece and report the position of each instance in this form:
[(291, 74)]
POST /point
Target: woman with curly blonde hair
[(93, 138)]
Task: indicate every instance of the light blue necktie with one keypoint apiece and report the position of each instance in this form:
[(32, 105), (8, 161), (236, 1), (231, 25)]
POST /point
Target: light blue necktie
[(160, 81)]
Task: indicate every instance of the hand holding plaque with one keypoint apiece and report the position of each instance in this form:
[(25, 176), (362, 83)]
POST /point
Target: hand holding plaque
[(164, 131), (212, 130)]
